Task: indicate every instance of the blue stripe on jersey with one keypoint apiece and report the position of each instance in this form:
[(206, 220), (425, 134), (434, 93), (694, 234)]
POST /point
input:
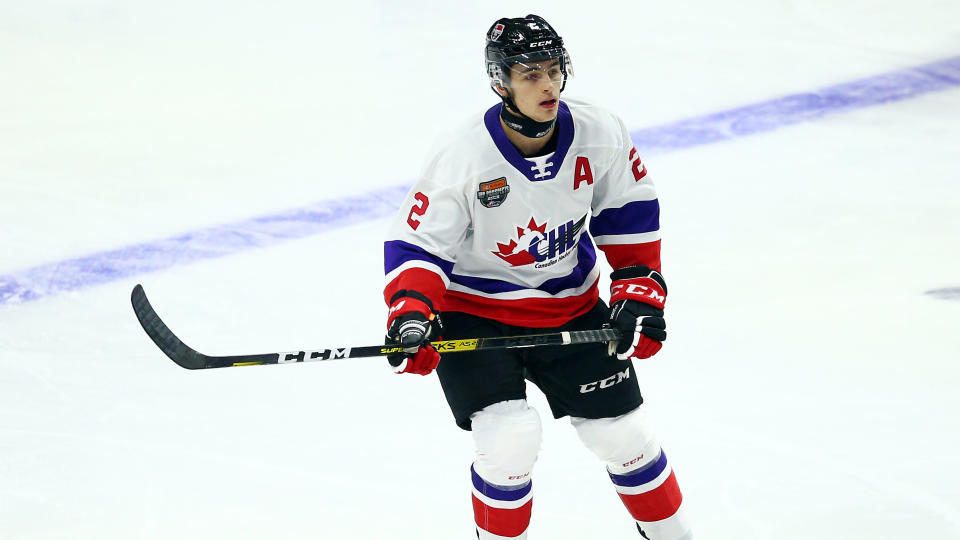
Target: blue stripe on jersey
[(643, 475), (631, 218), (397, 252), (509, 152), (500, 493), (586, 258)]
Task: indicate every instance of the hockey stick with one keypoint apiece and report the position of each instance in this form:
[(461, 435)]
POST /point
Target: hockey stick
[(188, 358)]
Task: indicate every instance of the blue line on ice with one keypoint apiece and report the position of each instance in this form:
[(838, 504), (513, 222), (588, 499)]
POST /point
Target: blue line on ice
[(945, 293), (796, 108), (107, 266)]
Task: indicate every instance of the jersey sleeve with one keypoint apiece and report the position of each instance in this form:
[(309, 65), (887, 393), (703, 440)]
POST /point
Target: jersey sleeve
[(625, 221), (424, 237)]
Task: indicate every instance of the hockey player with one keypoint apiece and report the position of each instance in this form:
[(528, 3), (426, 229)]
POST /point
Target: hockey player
[(498, 235)]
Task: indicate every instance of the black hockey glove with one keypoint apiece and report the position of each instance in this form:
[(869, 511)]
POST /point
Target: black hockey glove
[(637, 297), (411, 323)]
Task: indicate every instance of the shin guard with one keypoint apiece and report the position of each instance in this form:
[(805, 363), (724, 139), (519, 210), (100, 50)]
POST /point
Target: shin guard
[(501, 511), (652, 496)]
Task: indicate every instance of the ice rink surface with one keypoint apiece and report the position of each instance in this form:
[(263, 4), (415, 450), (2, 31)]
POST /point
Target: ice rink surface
[(809, 384)]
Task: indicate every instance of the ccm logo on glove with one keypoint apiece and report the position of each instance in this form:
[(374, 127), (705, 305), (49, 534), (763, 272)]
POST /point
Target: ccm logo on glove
[(637, 297), (636, 291)]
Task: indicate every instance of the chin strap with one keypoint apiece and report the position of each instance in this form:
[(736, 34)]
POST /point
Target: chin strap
[(523, 124)]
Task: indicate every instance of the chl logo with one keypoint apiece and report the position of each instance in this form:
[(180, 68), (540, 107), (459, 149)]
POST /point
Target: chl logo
[(536, 245), (605, 383)]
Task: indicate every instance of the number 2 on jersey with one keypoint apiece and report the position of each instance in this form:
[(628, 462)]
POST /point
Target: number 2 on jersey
[(639, 170), (418, 209)]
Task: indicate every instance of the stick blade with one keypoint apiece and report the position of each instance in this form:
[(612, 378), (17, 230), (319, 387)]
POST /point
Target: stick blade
[(170, 344)]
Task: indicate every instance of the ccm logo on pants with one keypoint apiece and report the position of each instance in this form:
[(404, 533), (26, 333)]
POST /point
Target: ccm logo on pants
[(605, 383)]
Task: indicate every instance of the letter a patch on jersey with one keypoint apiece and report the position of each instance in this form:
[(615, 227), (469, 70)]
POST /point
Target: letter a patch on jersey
[(493, 193), (582, 172)]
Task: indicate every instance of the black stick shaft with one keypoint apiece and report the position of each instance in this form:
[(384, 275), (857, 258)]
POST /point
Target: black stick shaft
[(189, 358)]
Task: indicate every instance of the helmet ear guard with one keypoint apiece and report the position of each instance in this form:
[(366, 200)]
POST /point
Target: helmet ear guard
[(496, 74)]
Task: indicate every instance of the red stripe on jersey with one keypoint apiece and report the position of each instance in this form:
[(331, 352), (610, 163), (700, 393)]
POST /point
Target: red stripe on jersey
[(423, 281), (660, 503), (530, 312), (502, 522), (623, 255)]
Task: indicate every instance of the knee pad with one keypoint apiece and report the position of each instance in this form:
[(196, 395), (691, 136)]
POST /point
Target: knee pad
[(626, 442), (507, 436)]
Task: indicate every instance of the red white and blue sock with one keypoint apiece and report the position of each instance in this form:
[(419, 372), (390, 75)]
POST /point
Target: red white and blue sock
[(501, 512), (652, 496)]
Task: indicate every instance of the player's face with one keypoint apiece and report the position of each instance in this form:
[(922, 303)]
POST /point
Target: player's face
[(536, 88)]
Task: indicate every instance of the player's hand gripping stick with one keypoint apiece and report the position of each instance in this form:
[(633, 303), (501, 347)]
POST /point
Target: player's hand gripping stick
[(637, 296), (410, 323)]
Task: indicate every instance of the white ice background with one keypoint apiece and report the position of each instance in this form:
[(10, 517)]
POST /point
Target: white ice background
[(809, 387)]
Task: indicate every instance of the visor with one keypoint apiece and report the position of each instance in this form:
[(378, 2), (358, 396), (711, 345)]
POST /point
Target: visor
[(551, 64)]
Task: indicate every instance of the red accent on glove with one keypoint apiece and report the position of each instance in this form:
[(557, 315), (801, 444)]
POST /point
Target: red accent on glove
[(423, 362), (645, 348), (405, 305), (639, 289)]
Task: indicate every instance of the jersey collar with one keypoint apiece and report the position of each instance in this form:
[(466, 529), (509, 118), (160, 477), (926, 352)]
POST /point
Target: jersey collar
[(528, 167)]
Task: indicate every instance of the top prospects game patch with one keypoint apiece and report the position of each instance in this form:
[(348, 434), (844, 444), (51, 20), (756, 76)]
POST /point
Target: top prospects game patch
[(494, 192)]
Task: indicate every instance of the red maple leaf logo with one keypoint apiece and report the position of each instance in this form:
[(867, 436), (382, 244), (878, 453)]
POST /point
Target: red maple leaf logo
[(506, 249), (516, 252)]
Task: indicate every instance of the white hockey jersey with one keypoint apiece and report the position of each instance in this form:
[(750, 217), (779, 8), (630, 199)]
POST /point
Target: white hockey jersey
[(488, 232)]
